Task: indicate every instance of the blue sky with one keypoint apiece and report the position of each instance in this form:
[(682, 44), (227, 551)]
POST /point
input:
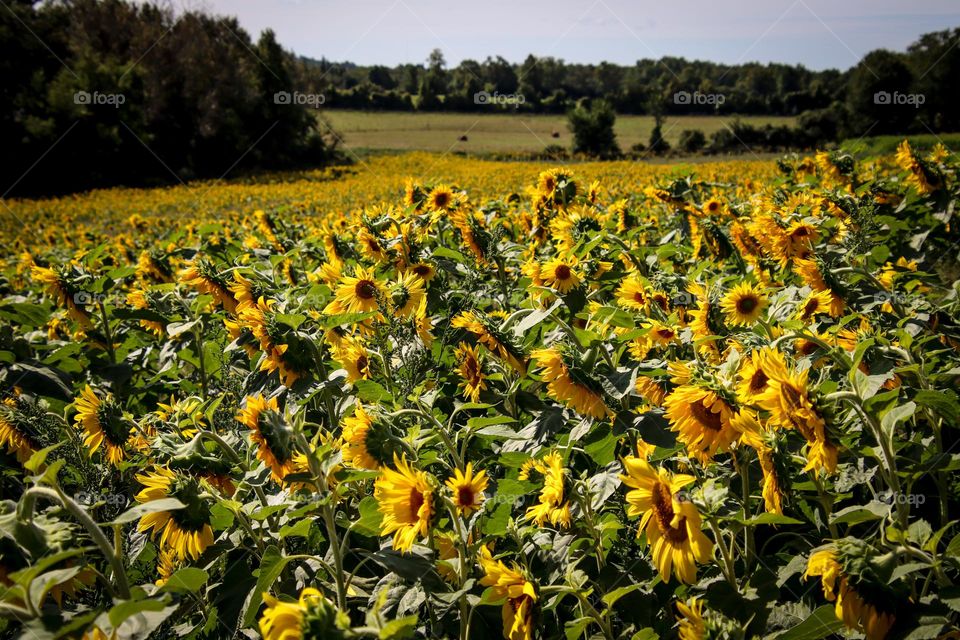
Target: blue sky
[(817, 33)]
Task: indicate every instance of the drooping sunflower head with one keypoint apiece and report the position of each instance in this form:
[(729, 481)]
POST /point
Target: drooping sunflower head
[(552, 507), (104, 423), (17, 433), (406, 294), (368, 442), (470, 368), (487, 332), (185, 532), (272, 435), (701, 419), (569, 382), (312, 616)]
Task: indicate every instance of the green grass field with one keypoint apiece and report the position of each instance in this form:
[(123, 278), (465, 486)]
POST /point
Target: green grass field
[(881, 145), (501, 133)]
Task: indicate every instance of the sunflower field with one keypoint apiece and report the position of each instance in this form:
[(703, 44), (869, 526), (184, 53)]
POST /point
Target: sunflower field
[(434, 397)]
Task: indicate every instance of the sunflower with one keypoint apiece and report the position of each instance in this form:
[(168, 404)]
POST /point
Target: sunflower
[(753, 379), (104, 424), (851, 608), (572, 227), (919, 175), (140, 299), (366, 441), (520, 593), (14, 433), (570, 384), (812, 276), (632, 294), (441, 198), (711, 207), (705, 322), (650, 390), (743, 304), (371, 247), (701, 419), (405, 499), (423, 270), (186, 532), (202, 275), (756, 436), (788, 401), (312, 616), (467, 488), (474, 234), (274, 439), (407, 295), (489, 335), (470, 368), (560, 274), (167, 565), (690, 620), (358, 293), (60, 289), (353, 356), (816, 303), (551, 506), (672, 523)]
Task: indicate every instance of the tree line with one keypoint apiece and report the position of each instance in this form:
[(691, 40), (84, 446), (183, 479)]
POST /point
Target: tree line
[(104, 92), (886, 92)]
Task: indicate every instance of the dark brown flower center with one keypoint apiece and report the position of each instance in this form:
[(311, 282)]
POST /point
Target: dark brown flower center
[(562, 272), (366, 289), (663, 512), (747, 304), (705, 416), (758, 381), (465, 496), (416, 501)]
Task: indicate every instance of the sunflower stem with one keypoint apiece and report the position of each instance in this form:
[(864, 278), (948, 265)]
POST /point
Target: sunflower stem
[(725, 554), (26, 510), (107, 334)]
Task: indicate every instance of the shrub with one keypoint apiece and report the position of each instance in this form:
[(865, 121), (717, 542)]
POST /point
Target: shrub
[(592, 128)]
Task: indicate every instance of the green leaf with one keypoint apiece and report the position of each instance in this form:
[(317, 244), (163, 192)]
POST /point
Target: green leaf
[(372, 392), (895, 416), (369, 523), (341, 319), (271, 566), (300, 529), (611, 597), (943, 402), (769, 518), (187, 579), (128, 608), (860, 513), (165, 504), (819, 624)]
